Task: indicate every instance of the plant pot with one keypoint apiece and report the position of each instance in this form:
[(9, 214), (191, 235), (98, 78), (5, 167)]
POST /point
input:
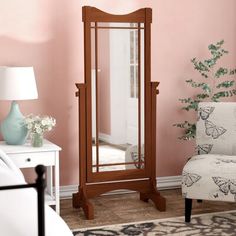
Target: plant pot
[(37, 140)]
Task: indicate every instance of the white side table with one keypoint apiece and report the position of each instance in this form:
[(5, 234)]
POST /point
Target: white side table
[(26, 156)]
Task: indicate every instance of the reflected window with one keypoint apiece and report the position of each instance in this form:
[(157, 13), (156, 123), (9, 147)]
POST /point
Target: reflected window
[(133, 61)]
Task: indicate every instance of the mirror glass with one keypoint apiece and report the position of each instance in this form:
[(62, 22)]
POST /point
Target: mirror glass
[(117, 87)]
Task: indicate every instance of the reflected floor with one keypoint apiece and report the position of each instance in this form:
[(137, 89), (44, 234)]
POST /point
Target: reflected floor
[(109, 154)]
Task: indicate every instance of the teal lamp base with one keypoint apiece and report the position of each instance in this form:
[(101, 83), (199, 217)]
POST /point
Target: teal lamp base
[(13, 130)]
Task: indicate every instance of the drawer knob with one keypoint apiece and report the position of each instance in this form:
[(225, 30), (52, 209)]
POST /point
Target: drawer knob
[(28, 159)]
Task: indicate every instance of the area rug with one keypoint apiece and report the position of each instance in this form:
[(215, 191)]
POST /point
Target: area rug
[(213, 224)]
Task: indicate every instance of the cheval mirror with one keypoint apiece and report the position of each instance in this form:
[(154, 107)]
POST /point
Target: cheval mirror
[(117, 108)]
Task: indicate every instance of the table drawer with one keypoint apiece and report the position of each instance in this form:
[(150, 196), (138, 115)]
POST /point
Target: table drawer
[(24, 160)]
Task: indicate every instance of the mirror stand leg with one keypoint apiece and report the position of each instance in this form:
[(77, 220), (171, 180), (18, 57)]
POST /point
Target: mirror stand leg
[(143, 197), (88, 209), (75, 200), (155, 196), (158, 200), (79, 199)]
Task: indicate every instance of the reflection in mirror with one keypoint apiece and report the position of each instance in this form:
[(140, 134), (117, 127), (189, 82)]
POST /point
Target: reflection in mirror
[(117, 85)]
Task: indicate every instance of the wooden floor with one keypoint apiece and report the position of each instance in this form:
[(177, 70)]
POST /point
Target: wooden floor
[(116, 209)]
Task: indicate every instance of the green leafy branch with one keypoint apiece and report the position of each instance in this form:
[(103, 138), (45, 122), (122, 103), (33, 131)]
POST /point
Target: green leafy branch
[(211, 90), (189, 129)]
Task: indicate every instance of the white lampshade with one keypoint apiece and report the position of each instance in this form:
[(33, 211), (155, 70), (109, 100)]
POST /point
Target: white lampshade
[(17, 83)]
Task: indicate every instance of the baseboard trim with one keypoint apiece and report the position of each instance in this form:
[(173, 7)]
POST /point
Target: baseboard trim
[(169, 182), (163, 183), (105, 137)]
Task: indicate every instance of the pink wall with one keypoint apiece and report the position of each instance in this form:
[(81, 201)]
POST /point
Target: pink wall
[(49, 36)]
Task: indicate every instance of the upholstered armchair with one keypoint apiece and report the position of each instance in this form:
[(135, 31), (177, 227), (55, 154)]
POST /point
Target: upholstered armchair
[(211, 175)]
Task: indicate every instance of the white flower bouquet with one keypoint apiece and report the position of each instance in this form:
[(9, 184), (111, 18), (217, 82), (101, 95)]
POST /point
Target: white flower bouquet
[(37, 125)]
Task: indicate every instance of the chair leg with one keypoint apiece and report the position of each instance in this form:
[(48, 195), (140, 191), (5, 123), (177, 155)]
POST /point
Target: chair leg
[(188, 209)]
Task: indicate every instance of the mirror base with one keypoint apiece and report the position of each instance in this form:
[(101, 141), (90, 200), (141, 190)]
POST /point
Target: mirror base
[(146, 188)]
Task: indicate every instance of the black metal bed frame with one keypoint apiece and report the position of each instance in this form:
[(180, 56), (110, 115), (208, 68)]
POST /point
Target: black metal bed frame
[(39, 185)]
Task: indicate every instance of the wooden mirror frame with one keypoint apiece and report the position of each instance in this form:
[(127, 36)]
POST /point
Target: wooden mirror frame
[(140, 180)]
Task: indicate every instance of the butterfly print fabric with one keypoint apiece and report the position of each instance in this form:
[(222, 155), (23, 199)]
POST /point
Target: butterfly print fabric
[(211, 175), (205, 112), (213, 130), (217, 127), (227, 161), (226, 185), (204, 148), (190, 178), (135, 157), (207, 177)]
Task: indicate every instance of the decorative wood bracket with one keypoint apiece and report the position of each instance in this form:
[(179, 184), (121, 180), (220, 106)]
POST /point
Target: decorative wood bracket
[(79, 86), (155, 85)]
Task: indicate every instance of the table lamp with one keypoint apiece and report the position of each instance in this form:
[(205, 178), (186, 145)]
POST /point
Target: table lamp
[(16, 83)]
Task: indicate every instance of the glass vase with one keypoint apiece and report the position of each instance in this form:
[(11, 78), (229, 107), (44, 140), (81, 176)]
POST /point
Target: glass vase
[(37, 140)]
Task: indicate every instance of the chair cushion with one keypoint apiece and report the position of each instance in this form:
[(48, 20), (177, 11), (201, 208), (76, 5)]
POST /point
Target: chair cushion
[(210, 177)]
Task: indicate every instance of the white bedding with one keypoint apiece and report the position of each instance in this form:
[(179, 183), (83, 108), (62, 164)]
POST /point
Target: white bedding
[(18, 208)]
